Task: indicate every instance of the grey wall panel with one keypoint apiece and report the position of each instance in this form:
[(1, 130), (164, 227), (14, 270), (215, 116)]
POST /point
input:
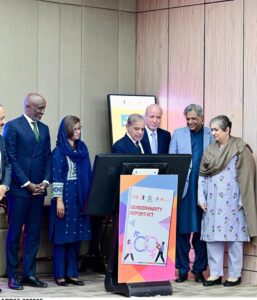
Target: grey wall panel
[(47, 47), (48, 63), (18, 52), (112, 4), (127, 52), (125, 5), (70, 60), (128, 5), (250, 75), (99, 74), (72, 2)]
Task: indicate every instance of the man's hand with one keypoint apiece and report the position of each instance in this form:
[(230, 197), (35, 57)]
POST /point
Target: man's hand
[(203, 206), (35, 189), (43, 186), (3, 190)]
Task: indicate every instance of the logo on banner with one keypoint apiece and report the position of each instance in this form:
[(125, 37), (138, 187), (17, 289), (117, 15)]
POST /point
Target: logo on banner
[(124, 119)]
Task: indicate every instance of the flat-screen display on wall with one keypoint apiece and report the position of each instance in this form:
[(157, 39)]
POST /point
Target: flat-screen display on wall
[(120, 107)]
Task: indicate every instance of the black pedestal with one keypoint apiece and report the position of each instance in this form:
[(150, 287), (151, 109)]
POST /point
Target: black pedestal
[(142, 289)]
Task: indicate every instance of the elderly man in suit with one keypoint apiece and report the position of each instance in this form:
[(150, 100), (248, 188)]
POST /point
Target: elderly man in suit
[(192, 139), (155, 139), (131, 142), (5, 167), (29, 152)]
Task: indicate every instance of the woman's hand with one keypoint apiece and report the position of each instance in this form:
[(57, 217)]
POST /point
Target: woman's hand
[(203, 206), (3, 190), (59, 207)]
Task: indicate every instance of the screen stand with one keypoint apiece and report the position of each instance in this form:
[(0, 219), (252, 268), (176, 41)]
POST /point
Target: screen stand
[(141, 289)]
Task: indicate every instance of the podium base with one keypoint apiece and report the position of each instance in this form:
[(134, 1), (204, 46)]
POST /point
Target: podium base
[(141, 289)]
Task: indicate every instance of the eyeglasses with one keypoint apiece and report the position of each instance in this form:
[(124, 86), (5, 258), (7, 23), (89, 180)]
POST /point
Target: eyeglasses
[(77, 129)]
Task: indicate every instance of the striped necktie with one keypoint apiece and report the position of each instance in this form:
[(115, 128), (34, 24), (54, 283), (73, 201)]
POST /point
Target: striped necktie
[(138, 148)]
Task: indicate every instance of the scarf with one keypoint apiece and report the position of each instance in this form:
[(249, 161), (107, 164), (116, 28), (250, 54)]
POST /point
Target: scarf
[(81, 158), (215, 160)]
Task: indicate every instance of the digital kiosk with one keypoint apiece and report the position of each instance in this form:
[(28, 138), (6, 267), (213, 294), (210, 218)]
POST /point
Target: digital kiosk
[(104, 201)]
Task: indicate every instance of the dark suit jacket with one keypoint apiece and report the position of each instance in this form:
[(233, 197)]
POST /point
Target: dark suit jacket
[(125, 145), (163, 138), (5, 165), (30, 160)]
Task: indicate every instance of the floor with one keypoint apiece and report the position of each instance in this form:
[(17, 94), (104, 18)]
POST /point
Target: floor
[(94, 288)]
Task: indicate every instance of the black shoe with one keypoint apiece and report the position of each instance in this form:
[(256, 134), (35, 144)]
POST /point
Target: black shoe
[(14, 284), (212, 282), (181, 278), (34, 281), (232, 283), (74, 281), (61, 282), (199, 277)]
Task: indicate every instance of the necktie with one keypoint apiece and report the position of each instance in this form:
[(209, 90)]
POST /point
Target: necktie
[(138, 148), (35, 130), (153, 143)]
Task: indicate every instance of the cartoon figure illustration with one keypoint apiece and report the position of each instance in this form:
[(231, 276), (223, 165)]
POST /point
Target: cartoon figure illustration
[(129, 249), (160, 253)]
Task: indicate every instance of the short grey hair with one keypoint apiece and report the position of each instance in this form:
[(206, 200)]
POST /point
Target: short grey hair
[(223, 122), (194, 107), (134, 118), (151, 106)]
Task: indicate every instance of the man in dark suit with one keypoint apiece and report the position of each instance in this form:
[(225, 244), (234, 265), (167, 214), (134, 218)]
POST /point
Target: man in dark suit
[(131, 142), (29, 152), (155, 139), (5, 167), (128, 144)]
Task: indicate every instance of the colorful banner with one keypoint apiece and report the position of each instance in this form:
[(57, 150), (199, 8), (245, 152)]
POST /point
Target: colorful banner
[(121, 106), (147, 228)]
